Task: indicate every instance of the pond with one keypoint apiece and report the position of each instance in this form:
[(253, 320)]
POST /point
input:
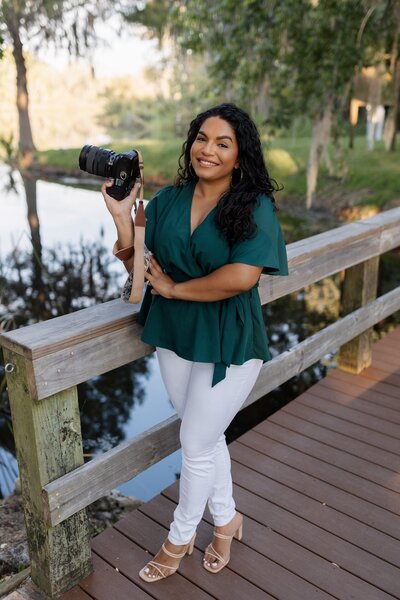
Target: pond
[(55, 257)]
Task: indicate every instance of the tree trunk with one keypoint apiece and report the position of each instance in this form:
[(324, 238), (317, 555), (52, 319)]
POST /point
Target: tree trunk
[(26, 145), (393, 116), (39, 296), (321, 129), (353, 120)]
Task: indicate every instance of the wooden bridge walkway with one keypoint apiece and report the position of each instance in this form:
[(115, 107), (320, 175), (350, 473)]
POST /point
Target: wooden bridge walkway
[(319, 485)]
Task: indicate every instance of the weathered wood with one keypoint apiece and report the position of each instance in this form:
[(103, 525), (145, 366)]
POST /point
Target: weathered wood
[(59, 348), (359, 288), (49, 444), (84, 485), (88, 359), (93, 480), (303, 355)]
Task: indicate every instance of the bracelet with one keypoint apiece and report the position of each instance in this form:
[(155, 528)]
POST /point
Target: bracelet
[(123, 254)]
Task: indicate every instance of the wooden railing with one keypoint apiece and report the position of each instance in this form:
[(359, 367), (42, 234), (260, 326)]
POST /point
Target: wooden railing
[(47, 360)]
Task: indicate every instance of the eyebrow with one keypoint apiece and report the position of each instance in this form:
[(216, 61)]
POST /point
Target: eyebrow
[(220, 137)]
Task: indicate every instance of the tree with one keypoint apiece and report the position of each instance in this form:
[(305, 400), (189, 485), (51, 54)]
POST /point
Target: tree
[(303, 52), (64, 23)]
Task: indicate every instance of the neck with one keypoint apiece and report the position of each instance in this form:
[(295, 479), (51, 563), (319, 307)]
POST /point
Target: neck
[(207, 189)]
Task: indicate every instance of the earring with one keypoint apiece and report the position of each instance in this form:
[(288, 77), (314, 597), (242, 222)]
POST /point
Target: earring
[(241, 177), (191, 170)]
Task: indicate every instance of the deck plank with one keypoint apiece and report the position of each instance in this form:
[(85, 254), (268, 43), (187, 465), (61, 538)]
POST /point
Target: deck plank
[(318, 469), (352, 389), (334, 397), (245, 559), (349, 414), (141, 528), (120, 552), (363, 382), (318, 483), (376, 456), (363, 434), (331, 455), (106, 583)]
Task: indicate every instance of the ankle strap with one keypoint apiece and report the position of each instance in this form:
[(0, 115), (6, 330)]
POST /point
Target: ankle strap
[(172, 554), (222, 536)]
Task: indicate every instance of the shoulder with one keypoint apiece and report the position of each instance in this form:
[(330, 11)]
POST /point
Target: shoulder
[(264, 212), (264, 204), (163, 194), (169, 193)]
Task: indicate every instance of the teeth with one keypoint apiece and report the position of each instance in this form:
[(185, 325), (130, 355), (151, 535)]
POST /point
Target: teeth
[(206, 162)]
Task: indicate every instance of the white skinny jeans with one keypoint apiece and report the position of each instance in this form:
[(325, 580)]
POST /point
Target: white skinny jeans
[(205, 413)]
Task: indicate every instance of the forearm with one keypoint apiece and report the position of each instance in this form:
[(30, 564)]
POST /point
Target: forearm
[(225, 282), (125, 231), (125, 238)]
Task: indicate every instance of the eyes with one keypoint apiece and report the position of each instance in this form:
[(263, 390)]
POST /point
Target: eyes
[(201, 138)]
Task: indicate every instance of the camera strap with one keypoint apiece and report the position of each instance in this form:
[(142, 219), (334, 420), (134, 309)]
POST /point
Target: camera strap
[(140, 226)]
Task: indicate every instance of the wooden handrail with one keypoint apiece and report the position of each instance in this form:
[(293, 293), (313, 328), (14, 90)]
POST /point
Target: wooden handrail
[(73, 348)]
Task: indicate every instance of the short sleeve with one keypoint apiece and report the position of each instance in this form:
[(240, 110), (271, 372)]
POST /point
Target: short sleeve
[(266, 248)]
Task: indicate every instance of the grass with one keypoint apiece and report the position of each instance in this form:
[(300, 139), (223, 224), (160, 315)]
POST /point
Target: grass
[(374, 174)]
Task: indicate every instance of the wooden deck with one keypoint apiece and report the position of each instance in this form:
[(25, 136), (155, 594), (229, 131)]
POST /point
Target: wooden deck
[(319, 485)]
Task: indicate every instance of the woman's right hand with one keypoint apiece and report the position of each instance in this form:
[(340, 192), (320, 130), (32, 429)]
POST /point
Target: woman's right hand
[(119, 208)]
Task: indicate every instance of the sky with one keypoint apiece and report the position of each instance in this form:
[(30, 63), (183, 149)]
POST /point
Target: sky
[(116, 55)]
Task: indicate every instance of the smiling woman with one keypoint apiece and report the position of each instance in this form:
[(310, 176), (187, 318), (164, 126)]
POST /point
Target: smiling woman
[(211, 235)]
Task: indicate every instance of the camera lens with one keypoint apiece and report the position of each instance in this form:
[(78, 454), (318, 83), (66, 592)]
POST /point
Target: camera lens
[(91, 161), (83, 157), (98, 161)]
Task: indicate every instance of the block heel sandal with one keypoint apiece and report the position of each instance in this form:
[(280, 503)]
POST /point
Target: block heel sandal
[(143, 573)]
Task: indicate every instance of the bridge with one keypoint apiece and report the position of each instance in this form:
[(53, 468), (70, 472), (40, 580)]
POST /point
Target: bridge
[(318, 481)]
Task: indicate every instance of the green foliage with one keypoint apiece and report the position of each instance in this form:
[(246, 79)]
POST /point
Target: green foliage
[(67, 24), (126, 114), (300, 53), (153, 14)]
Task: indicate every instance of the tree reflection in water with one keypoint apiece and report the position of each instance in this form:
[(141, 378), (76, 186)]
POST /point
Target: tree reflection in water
[(42, 283)]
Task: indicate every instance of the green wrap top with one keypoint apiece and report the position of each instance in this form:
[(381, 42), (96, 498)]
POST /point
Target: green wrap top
[(222, 332)]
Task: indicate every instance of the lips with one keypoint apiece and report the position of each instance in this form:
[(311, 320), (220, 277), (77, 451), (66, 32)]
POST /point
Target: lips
[(206, 163)]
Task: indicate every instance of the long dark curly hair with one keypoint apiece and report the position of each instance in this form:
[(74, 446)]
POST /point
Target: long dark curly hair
[(234, 214)]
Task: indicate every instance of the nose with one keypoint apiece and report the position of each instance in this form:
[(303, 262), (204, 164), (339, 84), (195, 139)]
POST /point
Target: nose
[(208, 148)]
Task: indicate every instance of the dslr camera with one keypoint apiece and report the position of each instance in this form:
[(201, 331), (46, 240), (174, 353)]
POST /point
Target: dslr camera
[(123, 168)]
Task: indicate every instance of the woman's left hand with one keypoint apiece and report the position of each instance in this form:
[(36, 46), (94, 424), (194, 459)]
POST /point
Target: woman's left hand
[(161, 283)]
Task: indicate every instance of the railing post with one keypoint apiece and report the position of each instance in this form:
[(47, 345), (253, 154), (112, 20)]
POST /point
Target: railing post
[(48, 441), (359, 287)]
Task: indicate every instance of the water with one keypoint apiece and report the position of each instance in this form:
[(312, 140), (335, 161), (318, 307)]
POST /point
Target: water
[(67, 219)]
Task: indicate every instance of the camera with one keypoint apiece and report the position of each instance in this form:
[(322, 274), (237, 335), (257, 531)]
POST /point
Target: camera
[(123, 168)]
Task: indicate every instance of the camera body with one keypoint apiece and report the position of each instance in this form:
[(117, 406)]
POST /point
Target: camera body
[(122, 167)]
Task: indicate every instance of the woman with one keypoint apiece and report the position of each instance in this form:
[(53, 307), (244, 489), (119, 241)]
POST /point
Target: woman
[(211, 235)]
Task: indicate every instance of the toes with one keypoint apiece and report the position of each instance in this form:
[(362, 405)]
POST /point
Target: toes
[(213, 564)]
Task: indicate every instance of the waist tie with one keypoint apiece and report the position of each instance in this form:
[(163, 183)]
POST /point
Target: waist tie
[(232, 316)]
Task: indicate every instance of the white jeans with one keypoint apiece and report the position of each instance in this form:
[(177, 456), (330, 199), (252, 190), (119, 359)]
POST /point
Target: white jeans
[(205, 412)]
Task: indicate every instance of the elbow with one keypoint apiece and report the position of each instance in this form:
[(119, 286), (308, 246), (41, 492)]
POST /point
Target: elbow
[(248, 278)]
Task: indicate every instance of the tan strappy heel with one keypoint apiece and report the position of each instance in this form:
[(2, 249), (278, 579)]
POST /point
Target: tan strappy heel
[(150, 578), (212, 551)]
